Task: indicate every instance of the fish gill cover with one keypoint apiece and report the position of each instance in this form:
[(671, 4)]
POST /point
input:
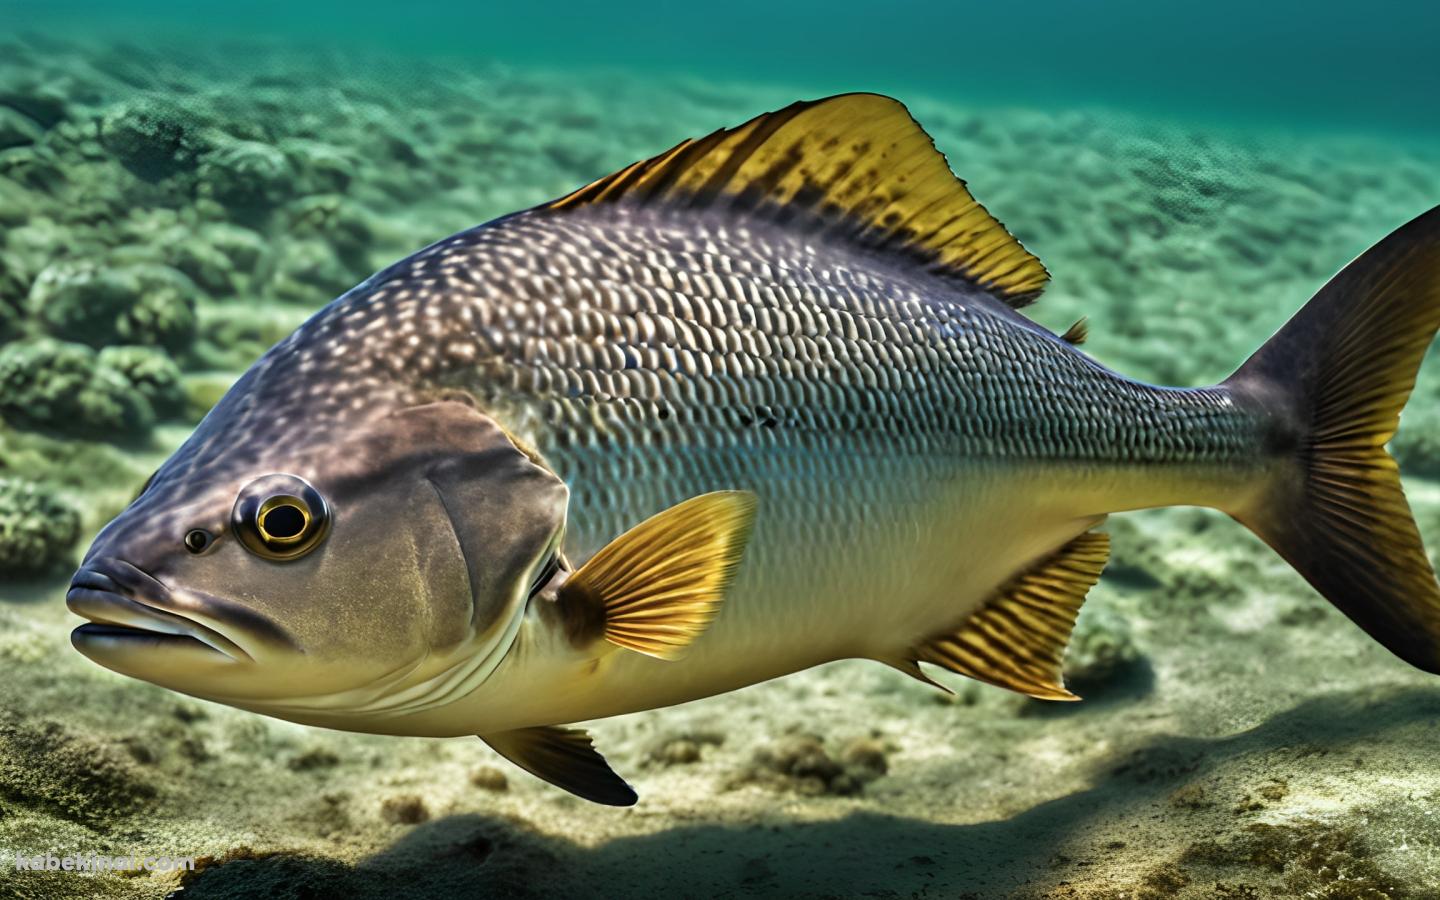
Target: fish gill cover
[(170, 208)]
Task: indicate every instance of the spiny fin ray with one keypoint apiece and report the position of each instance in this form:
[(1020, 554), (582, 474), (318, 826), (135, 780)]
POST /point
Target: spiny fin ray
[(854, 165)]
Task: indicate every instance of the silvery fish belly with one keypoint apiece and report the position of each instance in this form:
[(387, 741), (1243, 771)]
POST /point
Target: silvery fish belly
[(759, 403)]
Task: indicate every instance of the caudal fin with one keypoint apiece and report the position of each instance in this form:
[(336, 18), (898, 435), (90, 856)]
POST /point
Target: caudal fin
[(1335, 378)]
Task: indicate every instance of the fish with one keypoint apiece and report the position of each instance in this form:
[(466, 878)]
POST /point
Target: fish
[(762, 402)]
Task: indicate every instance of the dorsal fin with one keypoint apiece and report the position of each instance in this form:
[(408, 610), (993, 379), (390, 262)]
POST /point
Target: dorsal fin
[(1017, 639), (855, 163)]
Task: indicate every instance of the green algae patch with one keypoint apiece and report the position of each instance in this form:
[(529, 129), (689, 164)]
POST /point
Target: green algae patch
[(45, 769), (1301, 859)]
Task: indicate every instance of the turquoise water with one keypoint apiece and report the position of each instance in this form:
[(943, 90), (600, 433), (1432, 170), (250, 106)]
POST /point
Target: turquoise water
[(1331, 65), (182, 184)]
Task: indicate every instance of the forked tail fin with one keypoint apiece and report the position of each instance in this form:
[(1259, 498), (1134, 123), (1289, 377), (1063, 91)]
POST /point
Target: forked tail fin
[(1335, 378)]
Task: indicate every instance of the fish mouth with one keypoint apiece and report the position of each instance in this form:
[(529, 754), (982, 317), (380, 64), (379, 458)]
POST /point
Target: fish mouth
[(132, 612)]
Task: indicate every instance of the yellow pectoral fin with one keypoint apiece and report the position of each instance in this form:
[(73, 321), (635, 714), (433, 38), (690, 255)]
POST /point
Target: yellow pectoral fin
[(661, 583), (1017, 639)]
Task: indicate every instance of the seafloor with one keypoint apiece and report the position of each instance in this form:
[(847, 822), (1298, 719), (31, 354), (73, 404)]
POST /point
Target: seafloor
[(164, 217)]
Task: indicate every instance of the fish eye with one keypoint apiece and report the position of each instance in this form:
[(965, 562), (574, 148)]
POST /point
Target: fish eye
[(280, 517)]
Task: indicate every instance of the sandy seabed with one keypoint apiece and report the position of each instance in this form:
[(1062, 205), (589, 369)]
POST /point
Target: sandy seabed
[(166, 216)]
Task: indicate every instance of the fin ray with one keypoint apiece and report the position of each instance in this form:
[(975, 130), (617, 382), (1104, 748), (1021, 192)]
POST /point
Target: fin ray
[(1339, 373), (1017, 639), (659, 585), (854, 165), (566, 758)]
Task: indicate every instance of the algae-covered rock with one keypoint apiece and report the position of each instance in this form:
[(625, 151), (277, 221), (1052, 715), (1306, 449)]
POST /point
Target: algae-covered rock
[(81, 301), (16, 129), (37, 528), (321, 168), (204, 264), (801, 763), (247, 176), (404, 809), (164, 315), (17, 205), (682, 749), (203, 391), (234, 336), (334, 219), (152, 374), (14, 286), (99, 305), (244, 248), (34, 167), (310, 272), (153, 139), (36, 97), (202, 255), (1102, 651), (62, 386), (491, 779)]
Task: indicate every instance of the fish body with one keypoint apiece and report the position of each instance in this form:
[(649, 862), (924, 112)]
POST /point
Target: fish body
[(792, 351), (912, 444)]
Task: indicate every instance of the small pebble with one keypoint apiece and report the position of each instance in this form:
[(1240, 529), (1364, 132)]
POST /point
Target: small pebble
[(490, 778), (404, 809)]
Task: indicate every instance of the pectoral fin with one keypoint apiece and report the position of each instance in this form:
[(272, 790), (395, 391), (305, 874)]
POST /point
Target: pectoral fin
[(1017, 640), (655, 588), (565, 758)]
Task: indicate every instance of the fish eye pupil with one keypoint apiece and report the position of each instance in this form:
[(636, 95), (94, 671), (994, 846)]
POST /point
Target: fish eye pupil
[(197, 540), (283, 521)]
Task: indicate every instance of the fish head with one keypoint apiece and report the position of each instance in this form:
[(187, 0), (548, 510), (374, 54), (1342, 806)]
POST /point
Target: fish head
[(385, 558)]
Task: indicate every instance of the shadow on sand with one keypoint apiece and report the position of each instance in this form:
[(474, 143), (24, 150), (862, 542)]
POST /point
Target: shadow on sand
[(863, 854)]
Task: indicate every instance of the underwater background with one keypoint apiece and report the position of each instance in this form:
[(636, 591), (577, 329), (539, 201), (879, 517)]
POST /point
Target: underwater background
[(181, 184)]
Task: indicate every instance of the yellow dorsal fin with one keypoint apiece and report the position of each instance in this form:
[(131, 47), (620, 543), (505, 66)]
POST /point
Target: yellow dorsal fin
[(1017, 639), (658, 585), (854, 163)]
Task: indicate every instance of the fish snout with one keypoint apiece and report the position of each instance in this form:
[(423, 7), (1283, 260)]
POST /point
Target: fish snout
[(130, 612)]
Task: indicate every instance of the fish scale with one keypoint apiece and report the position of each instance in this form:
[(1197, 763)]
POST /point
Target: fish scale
[(852, 351)]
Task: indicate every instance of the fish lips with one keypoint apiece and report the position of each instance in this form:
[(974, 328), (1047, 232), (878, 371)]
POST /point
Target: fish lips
[(137, 622)]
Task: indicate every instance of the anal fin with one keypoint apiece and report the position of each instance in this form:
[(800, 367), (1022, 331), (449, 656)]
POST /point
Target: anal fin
[(566, 758), (1017, 639)]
